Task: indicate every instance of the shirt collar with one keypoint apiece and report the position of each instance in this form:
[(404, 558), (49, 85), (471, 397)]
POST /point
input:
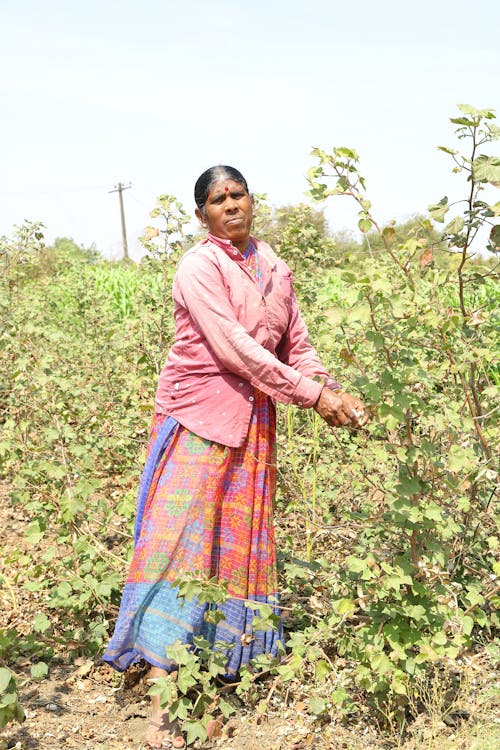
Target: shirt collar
[(225, 245), (229, 248)]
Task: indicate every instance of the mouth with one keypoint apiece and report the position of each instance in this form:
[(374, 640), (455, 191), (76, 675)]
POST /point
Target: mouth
[(234, 221)]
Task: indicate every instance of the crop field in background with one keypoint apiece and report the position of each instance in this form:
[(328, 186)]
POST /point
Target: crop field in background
[(388, 537)]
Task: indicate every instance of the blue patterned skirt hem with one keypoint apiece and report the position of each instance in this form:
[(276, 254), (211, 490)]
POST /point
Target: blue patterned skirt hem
[(161, 618)]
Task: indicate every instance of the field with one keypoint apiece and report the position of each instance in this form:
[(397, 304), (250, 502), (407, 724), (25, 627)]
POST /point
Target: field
[(388, 537)]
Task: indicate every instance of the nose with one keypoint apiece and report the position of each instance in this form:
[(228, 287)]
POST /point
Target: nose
[(230, 204)]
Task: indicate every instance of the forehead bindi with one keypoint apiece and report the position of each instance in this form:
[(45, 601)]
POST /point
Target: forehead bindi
[(223, 187)]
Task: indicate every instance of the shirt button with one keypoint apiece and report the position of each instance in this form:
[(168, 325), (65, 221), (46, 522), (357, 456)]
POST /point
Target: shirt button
[(240, 385), (235, 252), (299, 403), (250, 398)]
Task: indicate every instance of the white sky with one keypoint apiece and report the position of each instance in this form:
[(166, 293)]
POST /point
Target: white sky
[(155, 91)]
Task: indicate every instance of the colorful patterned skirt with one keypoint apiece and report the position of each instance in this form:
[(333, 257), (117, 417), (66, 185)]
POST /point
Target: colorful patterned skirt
[(204, 508)]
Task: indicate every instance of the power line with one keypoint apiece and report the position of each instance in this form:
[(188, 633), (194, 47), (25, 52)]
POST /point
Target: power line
[(119, 189), (51, 191)]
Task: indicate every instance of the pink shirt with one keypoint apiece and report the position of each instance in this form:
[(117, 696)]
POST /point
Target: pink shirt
[(233, 335)]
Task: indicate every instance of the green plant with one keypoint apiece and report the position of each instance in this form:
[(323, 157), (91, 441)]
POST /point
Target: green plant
[(10, 708), (421, 575), (164, 245), (190, 693)]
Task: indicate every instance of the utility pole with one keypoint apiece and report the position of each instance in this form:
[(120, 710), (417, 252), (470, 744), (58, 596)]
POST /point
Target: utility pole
[(119, 189)]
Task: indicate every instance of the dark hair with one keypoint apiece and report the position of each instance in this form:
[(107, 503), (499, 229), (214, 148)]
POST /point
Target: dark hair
[(210, 176)]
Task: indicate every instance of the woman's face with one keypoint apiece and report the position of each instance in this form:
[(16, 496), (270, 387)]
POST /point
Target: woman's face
[(228, 212)]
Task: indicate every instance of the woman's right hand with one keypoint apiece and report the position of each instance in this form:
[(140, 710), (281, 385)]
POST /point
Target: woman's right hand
[(340, 409)]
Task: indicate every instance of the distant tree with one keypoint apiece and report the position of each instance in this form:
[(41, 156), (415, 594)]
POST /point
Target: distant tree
[(347, 244), (300, 234), (66, 246)]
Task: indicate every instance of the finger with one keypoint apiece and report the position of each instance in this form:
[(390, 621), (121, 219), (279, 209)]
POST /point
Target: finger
[(343, 419), (334, 420)]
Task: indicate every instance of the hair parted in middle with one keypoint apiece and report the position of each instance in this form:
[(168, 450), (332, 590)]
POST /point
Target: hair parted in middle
[(210, 177)]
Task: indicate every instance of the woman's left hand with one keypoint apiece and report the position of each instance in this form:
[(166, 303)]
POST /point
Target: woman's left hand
[(340, 409)]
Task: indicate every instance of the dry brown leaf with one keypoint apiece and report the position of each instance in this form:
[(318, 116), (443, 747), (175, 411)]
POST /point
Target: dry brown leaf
[(426, 258)]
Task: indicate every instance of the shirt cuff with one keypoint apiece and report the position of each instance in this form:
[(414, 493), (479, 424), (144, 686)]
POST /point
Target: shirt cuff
[(332, 384), (307, 392)]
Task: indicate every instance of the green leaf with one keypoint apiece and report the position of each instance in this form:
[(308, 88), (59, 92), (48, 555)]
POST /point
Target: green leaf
[(164, 689), (41, 623), (389, 233), (462, 121), (356, 565), (39, 671), (439, 638), (317, 706), (185, 680), (455, 225), (447, 150), (5, 679), (339, 697), (467, 624), (380, 663), (346, 153), (468, 109), (391, 416), (364, 225), (8, 699), (313, 173), (321, 670), (180, 708), (35, 532), (286, 672), (226, 708), (195, 730), (202, 703), (433, 512), (487, 169), (344, 606), (261, 707), (439, 210), (19, 714), (416, 612), (376, 338), (427, 653), (461, 458), (398, 685)]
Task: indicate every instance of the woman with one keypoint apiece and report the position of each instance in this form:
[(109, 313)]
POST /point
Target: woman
[(206, 495)]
